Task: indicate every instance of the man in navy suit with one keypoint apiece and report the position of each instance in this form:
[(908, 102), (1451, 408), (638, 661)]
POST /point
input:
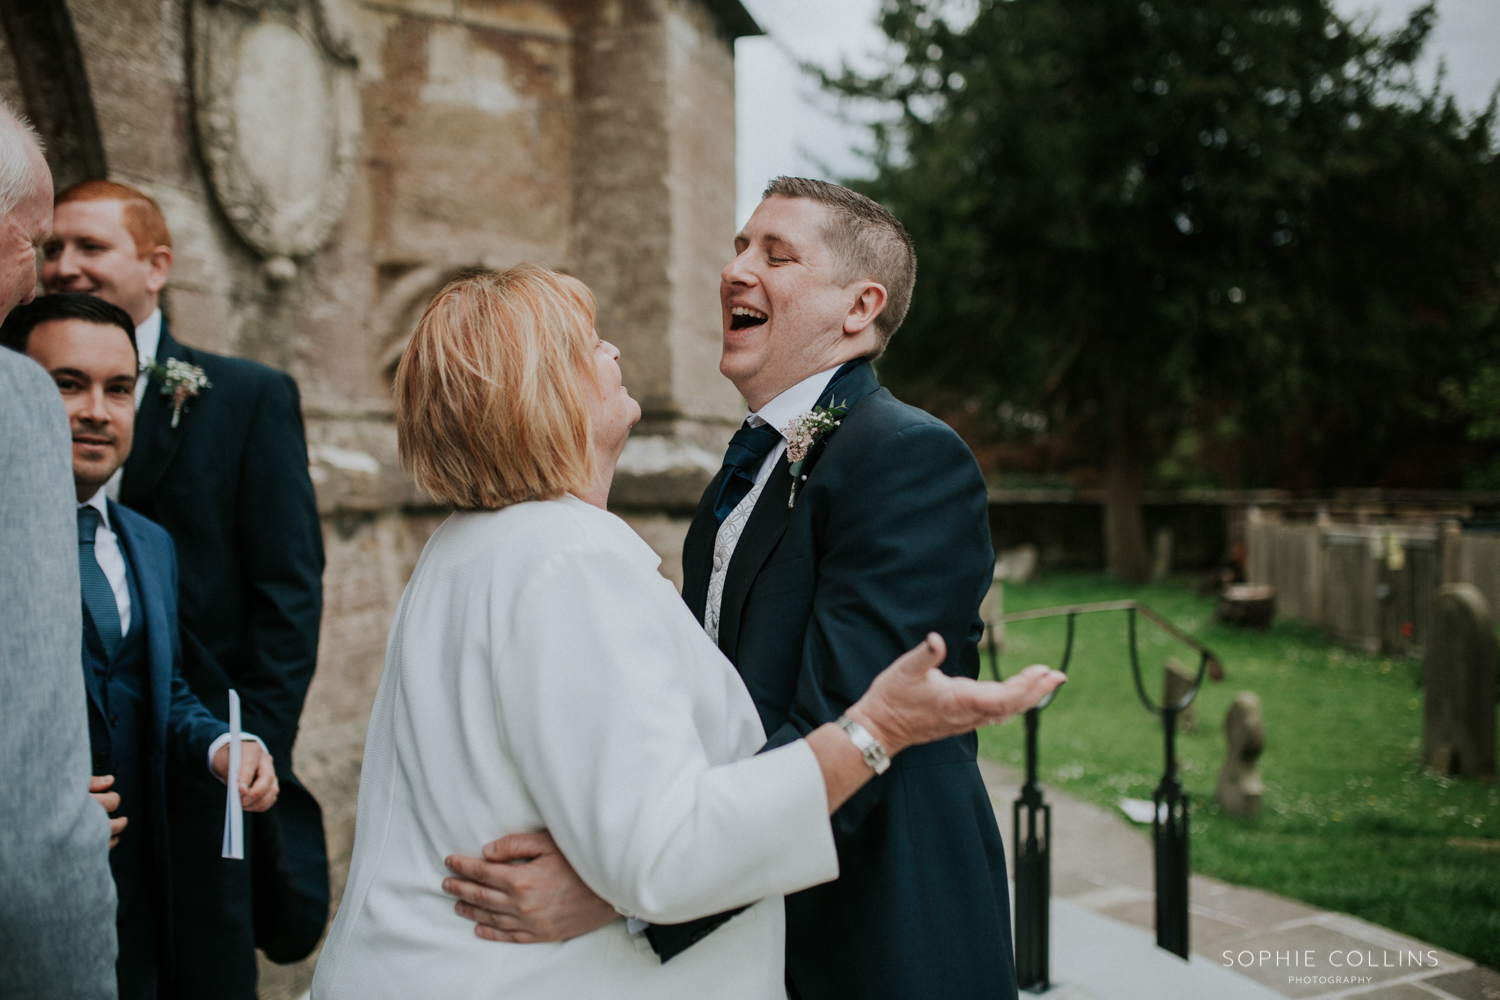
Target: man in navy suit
[(140, 709), (226, 474), (811, 571)]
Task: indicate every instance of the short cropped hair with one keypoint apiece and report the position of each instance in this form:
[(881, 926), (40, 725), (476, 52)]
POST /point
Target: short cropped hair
[(17, 175), (143, 218), (15, 332), (869, 242), (492, 393)]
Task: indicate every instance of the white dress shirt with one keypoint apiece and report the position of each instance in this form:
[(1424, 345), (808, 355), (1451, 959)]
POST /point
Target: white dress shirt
[(541, 674), (779, 412), (147, 341), (112, 561), (110, 558)]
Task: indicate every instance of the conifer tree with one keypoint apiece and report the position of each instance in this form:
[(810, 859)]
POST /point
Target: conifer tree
[(1235, 224)]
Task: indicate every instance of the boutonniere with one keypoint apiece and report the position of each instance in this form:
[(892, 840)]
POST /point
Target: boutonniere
[(179, 380), (800, 435)]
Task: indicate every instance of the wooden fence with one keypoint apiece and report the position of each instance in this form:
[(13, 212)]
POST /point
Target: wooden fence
[(1369, 586)]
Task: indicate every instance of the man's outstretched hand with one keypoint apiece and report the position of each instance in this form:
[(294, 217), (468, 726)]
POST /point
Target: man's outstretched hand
[(912, 701), (524, 891)]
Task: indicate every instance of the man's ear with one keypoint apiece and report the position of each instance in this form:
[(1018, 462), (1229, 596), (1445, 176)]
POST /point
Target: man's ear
[(159, 260), (869, 302)]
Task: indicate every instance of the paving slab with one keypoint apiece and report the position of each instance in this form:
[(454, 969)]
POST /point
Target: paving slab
[(1096, 958), (1245, 942), (1477, 983)]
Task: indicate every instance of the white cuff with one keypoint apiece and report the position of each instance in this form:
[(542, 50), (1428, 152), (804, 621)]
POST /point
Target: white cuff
[(213, 748)]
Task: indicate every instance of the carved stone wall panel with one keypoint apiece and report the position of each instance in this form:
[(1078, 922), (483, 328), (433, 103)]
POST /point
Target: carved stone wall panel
[(471, 144), (276, 104)]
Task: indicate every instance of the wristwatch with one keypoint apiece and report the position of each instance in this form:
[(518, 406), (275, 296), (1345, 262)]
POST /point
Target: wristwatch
[(866, 744)]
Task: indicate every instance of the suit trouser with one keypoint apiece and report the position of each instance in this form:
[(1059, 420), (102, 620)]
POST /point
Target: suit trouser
[(213, 931), (136, 966)]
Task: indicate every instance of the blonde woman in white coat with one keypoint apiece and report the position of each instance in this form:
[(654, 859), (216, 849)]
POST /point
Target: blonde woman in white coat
[(540, 673)]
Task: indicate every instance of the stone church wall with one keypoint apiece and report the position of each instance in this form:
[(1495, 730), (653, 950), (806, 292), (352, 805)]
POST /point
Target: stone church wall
[(595, 137)]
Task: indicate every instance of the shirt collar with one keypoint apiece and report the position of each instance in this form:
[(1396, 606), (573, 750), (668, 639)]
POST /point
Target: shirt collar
[(799, 399), (99, 503), (148, 337)]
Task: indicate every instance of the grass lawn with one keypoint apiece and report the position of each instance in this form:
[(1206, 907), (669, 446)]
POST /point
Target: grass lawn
[(1351, 820)]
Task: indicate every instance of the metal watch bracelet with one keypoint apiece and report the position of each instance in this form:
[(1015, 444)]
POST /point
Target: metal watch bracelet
[(868, 746)]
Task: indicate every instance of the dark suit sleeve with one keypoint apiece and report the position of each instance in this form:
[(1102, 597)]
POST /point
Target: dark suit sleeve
[(280, 547), (191, 728), (905, 551)]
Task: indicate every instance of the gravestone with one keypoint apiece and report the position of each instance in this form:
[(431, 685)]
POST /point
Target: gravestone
[(1017, 565), (991, 609), (1249, 604), (1240, 788), (1458, 721), (1161, 555), (1176, 681)]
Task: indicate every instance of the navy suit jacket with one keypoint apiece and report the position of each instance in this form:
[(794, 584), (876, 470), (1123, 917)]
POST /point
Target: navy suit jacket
[(888, 539), (179, 724), (230, 483)]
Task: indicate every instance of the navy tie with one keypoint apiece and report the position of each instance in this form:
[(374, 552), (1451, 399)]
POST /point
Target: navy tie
[(747, 450), (98, 595)]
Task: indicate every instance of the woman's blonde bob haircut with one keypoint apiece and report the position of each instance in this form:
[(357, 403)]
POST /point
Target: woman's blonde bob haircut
[(492, 394)]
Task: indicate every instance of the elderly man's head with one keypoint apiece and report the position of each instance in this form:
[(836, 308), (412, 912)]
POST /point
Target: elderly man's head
[(25, 208), (506, 392), (821, 275)]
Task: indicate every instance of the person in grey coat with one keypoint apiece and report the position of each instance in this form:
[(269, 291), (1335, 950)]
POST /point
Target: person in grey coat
[(57, 900)]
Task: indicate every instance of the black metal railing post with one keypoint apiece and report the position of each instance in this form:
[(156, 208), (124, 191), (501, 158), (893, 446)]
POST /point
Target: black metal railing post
[(1032, 817), (1032, 843), (1169, 837), (1033, 874), (1169, 814)]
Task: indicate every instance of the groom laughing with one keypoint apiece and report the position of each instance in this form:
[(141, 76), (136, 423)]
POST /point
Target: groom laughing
[(812, 568)]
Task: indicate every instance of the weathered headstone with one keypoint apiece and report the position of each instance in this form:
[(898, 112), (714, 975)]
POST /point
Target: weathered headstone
[(1458, 721), (1240, 787), (1176, 682), (990, 611), (1249, 604), (1017, 564), (1161, 555)]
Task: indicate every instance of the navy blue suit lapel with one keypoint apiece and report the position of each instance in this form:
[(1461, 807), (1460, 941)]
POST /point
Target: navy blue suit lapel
[(153, 619), (156, 440), (768, 522)]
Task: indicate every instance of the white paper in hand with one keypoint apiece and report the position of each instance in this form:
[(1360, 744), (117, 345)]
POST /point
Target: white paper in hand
[(234, 818)]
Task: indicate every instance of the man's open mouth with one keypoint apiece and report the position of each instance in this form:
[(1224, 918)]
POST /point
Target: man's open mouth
[(743, 318)]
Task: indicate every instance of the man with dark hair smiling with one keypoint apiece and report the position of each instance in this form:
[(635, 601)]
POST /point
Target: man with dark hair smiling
[(843, 525), (225, 471), (140, 710)]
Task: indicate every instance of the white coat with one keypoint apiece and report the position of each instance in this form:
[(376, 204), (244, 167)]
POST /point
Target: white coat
[(540, 673)]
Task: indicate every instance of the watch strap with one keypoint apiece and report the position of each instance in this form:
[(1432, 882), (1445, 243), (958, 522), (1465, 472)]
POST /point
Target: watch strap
[(868, 746)]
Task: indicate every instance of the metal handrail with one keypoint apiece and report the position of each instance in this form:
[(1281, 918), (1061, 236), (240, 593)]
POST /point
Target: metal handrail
[(1215, 669), (1169, 821)]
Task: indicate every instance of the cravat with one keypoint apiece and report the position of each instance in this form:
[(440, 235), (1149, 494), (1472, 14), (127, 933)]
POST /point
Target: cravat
[(747, 450), (98, 595)]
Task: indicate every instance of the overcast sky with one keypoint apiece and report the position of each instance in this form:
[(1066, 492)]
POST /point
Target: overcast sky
[(786, 126)]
